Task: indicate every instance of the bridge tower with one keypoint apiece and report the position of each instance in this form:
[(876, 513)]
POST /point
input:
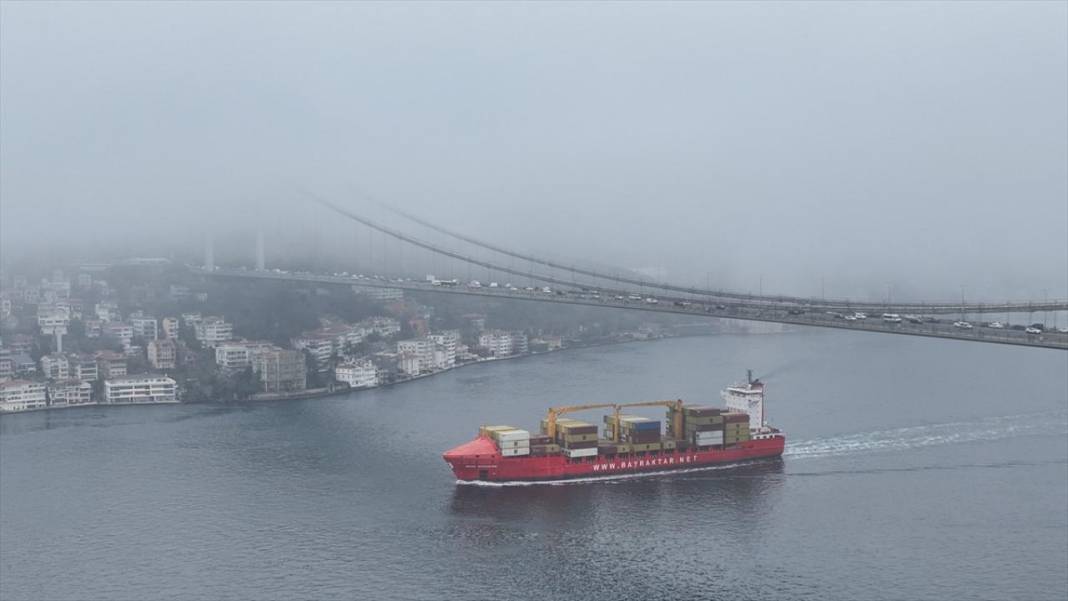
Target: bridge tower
[(261, 264), (209, 252)]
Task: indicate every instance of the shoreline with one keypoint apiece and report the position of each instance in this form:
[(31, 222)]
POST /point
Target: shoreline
[(318, 393)]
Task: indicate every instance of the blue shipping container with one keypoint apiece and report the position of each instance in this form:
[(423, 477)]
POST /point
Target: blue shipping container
[(645, 426)]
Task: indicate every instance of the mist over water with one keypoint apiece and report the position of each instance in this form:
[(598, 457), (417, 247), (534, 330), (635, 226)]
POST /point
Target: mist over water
[(934, 463)]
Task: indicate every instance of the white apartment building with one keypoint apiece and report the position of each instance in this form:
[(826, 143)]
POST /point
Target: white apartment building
[(53, 319), (447, 343), (357, 374), (144, 326), (233, 355), (497, 342), (21, 395), (383, 326), (55, 366), (420, 348), (83, 367), (320, 346), (212, 331), (408, 364), (170, 327), (163, 354), (191, 319), (140, 389), (69, 392)]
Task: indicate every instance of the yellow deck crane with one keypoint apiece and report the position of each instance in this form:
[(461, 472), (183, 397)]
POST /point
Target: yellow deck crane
[(676, 425)]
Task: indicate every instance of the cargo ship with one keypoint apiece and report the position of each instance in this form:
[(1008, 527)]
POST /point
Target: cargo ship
[(567, 449)]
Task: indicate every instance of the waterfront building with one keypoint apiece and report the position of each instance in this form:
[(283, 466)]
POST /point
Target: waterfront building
[(211, 331), (520, 344), (140, 389), (422, 349), (499, 343), (408, 364), (22, 395), (163, 354), (280, 370), (55, 366), (83, 367), (447, 343), (357, 374), (233, 355), (191, 319), (69, 392)]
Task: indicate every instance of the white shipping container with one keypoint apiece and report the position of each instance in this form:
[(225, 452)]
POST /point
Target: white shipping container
[(581, 452), (515, 452), (513, 435), (709, 436), (513, 444)]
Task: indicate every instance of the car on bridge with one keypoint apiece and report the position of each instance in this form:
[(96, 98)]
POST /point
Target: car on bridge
[(962, 325), (1033, 330), (997, 325), (891, 318)]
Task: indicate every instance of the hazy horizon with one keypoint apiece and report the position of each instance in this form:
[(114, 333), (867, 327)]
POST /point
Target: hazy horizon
[(857, 147)]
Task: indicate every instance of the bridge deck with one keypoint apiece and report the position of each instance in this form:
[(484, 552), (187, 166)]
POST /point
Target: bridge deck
[(758, 311)]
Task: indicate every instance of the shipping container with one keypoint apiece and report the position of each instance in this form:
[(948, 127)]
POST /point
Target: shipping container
[(569, 438), (702, 411), (704, 421), (509, 435), (488, 430), (572, 453), (513, 444), (515, 452), (704, 427), (589, 444), (668, 444), (651, 446)]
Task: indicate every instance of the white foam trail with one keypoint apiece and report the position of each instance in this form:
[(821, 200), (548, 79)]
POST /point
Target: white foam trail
[(915, 437), (689, 470)]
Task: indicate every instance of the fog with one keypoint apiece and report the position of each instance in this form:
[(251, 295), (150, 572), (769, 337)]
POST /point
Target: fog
[(838, 148)]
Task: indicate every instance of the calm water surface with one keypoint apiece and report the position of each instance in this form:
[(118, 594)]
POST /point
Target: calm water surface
[(916, 469)]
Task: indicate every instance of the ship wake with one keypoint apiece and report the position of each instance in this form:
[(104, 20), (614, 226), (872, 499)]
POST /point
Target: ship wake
[(917, 437)]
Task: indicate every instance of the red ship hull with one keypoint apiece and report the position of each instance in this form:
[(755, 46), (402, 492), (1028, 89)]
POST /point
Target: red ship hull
[(479, 460)]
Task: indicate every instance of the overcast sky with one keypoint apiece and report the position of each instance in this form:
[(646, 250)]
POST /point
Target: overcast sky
[(915, 145)]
